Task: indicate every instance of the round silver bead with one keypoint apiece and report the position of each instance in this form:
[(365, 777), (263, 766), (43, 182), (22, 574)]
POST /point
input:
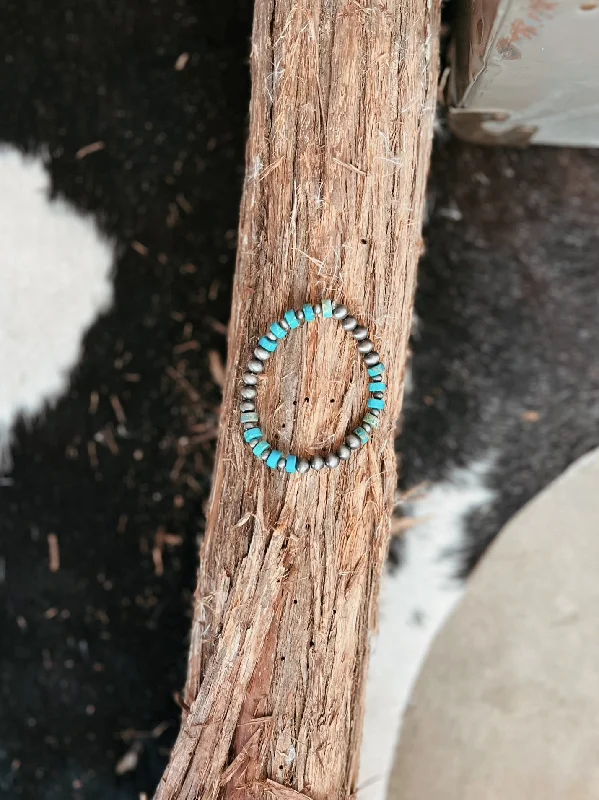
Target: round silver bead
[(247, 405), (349, 323), (250, 378), (281, 464), (344, 452), (248, 393), (340, 312), (367, 427), (371, 358), (303, 465), (300, 315), (378, 395), (255, 366), (261, 353), (317, 463), (265, 454), (318, 312), (248, 425), (353, 441), (284, 324), (331, 460), (365, 346), (271, 337), (375, 412), (360, 332)]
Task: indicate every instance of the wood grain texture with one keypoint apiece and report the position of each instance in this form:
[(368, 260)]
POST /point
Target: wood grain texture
[(341, 116)]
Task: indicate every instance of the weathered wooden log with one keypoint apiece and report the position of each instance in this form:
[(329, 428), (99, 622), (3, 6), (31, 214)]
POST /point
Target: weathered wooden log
[(341, 119)]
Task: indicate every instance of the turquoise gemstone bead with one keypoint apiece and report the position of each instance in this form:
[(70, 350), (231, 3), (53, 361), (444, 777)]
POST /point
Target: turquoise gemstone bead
[(377, 387), (261, 447), (249, 416), (371, 420), (374, 402), (273, 459), (291, 464), (267, 344), (376, 370), (362, 435), (291, 319), (253, 433), (327, 308), (309, 313), (279, 332)]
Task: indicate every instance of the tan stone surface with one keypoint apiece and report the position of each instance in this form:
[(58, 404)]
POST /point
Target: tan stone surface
[(507, 707)]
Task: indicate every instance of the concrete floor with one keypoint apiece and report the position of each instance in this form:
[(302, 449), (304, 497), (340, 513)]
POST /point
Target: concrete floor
[(507, 706)]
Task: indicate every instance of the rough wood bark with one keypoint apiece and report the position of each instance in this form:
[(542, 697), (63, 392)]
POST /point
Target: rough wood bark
[(341, 114)]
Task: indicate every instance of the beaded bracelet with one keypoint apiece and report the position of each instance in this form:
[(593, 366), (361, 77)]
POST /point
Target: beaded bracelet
[(267, 346)]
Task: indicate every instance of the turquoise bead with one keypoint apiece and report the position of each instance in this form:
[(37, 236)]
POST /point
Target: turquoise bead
[(267, 344), (371, 420), (291, 464), (249, 416), (377, 387), (309, 313), (291, 319), (376, 370), (279, 332), (261, 447), (273, 459), (362, 435), (253, 433), (374, 402), (327, 308)]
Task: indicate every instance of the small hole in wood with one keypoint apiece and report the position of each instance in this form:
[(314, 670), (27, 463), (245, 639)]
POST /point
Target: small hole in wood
[(364, 241), (295, 402), (306, 399), (480, 29), (283, 425), (332, 400)]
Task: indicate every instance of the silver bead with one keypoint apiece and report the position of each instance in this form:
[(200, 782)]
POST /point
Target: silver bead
[(318, 312), (332, 460), (375, 412), (367, 427), (340, 312), (378, 395), (303, 465), (248, 392), (281, 464), (255, 366), (371, 358), (265, 454), (271, 337), (300, 316), (353, 441), (349, 323), (247, 406), (316, 462), (248, 425), (344, 452), (365, 346), (261, 353), (360, 332), (284, 324), (249, 378)]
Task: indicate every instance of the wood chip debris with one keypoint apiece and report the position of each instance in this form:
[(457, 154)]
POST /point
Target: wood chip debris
[(217, 368), (182, 62), (94, 147), (53, 552)]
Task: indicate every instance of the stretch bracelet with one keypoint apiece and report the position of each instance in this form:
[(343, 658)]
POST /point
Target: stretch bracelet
[(267, 345)]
